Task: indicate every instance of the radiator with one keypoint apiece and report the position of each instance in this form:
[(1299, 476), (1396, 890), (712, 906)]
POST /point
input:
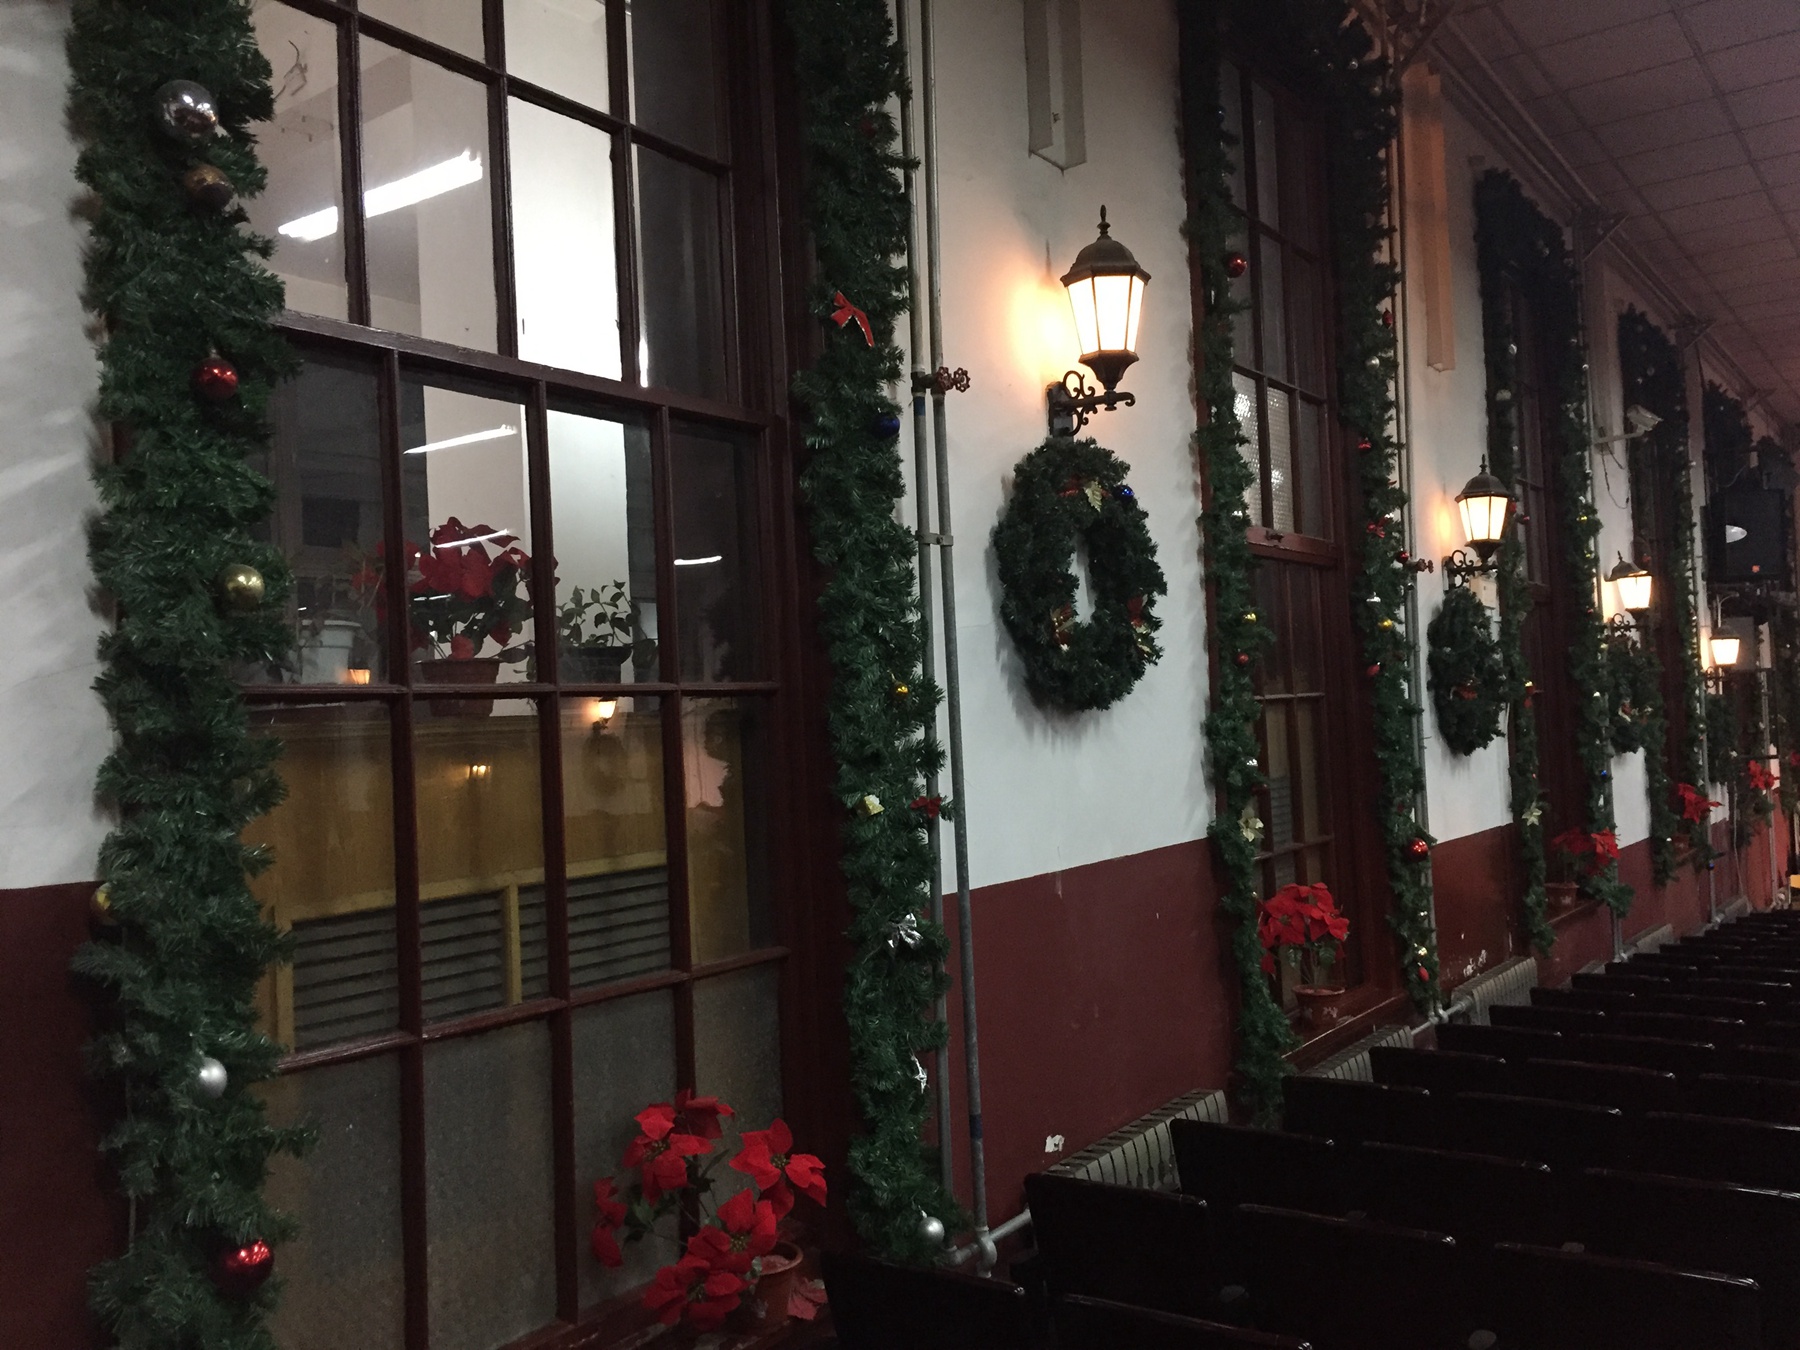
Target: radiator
[(1141, 1154), (1510, 982), (1353, 1060)]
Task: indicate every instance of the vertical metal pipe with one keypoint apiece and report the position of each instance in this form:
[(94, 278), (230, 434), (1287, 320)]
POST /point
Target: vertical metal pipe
[(952, 681), (922, 496)]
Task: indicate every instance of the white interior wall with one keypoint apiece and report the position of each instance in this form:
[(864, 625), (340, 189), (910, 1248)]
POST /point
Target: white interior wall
[(1048, 790), (53, 732)]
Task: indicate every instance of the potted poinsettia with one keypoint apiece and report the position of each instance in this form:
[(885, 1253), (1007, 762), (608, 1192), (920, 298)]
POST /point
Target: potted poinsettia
[(1300, 928), (472, 585), (732, 1258), (1582, 854)]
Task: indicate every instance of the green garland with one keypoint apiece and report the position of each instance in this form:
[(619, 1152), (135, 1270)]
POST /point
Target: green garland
[(173, 282), (848, 68), (1468, 676), (1653, 376), (1065, 493), (1633, 694), (1784, 636), (1517, 245), (1318, 45)]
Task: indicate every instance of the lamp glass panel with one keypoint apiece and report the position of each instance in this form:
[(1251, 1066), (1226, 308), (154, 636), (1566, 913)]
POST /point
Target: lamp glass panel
[(1725, 651), (1634, 591), (1112, 303), (1087, 322), (1484, 518), (1134, 314)]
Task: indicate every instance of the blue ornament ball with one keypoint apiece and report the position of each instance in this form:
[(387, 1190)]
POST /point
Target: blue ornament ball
[(887, 426), (1124, 492)]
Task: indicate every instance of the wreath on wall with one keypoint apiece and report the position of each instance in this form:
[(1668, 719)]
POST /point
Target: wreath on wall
[(1468, 676), (1071, 496), (1518, 245), (1322, 46), (1633, 693)]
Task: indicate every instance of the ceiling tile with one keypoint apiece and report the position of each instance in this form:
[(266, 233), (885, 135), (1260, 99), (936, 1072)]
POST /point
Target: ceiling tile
[(1622, 50), (1774, 140), (1682, 161), (1727, 23), (1524, 77), (1780, 172), (1786, 198), (1754, 63), (1766, 103), (1728, 232), (1541, 22), (1763, 253), (1712, 209), (1487, 31), (1666, 86), (1657, 130), (1555, 115), (1582, 148), (1702, 187)]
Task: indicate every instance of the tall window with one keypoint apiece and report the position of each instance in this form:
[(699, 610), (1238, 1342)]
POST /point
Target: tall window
[(1283, 393), (525, 486)]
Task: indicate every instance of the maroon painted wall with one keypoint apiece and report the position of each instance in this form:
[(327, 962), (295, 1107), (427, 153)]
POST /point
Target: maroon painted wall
[(57, 1212), (1101, 992), (1475, 880)]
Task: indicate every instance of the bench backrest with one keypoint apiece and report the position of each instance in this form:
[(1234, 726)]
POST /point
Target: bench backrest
[(1123, 1243), (876, 1305)]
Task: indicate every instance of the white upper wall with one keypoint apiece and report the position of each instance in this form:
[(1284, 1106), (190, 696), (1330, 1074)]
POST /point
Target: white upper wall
[(53, 731)]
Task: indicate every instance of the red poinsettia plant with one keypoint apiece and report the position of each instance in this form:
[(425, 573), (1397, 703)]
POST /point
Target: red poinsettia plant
[(1759, 775), (1695, 805), (675, 1154), (1589, 852), (1302, 925), (472, 583)]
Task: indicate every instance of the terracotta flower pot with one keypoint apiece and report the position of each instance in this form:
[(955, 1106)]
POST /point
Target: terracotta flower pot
[(766, 1305), (477, 670), (1563, 895), (1321, 1008)]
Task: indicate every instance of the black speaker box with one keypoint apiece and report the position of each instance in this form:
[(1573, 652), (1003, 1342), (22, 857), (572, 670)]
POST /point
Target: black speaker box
[(1765, 554)]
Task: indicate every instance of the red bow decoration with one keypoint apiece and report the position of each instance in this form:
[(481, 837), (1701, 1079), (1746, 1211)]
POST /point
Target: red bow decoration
[(1134, 611), (846, 311), (929, 805), (1694, 805)]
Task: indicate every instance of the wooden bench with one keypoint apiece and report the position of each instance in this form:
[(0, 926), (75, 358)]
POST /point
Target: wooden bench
[(1718, 1148), (879, 1306), (1621, 1021), (1232, 1165), (1563, 1134), (1478, 1199), (1349, 1111), (1095, 1324), (1125, 1244), (1694, 1005), (1436, 1070)]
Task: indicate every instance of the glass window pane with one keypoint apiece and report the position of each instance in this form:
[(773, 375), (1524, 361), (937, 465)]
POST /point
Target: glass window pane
[(615, 839), (681, 256), (560, 44), (713, 480), (1281, 461), (624, 1060), (426, 196), (1231, 101), (1309, 760), (675, 73), (1303, 622), (342, 1280), (1268, 164), (1243, 320), (1270, 279), (481, 853), (332, 883), (324, 459), (727, 788), (565, 260), (467, 507), (1299, 203), (489, 1187), (1278, 765), (1310, 447), (302, 207), (450, 23), (737, 1044), (1249, 416), (1266, 586), (603, 507), (1306, 316)]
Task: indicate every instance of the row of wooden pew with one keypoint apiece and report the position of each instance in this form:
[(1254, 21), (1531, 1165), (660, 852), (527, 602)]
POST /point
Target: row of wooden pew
[(1615, 1164)]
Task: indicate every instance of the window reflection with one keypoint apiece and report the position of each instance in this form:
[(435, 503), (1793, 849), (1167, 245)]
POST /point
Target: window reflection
[(715, 552), (674, 73), (722, 753), (682, 267), (451, 23), (560, 44)]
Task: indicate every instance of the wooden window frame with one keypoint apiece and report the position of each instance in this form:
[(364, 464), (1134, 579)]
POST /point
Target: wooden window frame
[(760, 331)]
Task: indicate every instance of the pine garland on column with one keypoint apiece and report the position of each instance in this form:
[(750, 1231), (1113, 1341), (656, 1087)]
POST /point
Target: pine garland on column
[(1323, 47), (188, 361), (848, 67), (1518, 246)]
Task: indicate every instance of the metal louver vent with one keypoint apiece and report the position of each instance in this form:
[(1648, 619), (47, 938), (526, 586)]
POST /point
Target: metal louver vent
[(346, 983), (618, 926), (463, 942)]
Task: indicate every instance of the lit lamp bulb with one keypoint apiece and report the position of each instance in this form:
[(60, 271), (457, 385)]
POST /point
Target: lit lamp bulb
[(602, 710), (1725, 649), (478, 773), (1634, 585), (1486, 507)]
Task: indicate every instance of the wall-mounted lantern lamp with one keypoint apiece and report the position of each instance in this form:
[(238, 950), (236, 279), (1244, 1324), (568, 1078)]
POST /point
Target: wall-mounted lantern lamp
[(1106, 297), (1725, 650), (1634, 585), (1486, 507)]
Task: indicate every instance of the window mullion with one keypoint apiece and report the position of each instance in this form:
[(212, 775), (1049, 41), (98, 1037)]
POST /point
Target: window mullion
[(356, 263)]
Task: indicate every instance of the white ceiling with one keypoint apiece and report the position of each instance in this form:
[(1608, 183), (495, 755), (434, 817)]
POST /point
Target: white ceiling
[(1685, 116)]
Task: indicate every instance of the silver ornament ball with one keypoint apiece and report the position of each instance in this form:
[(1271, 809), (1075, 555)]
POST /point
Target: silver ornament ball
[(211, 1078), (186, 112), (931, 1228)]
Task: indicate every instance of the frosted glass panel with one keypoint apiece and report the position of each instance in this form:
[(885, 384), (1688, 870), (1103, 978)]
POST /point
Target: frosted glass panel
[(343, 1277), (624, 1060), (1281, 461), (737, 1042), (489, 1188), (1249, 416), (1268, 171), (563, 242), (299, 146)]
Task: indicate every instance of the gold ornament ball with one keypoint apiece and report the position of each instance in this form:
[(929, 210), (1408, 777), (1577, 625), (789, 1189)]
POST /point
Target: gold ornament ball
[(100, 907), (243, 586), (1250, 616), (207, 187), (1386, 624), (903, 691)]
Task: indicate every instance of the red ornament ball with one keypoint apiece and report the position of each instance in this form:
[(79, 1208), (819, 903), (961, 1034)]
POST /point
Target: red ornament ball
[(1373, 670), (216, 380), (1365, 445), (1387, 318), (1419, 848), (1236, 264), (241, 1271), (1243, 658), (1424, 975), (1466, 692)]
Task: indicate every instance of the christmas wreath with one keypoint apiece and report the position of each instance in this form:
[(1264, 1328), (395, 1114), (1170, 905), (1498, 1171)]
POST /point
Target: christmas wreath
[(1066, 494), (1468, 676), (1633, 690)]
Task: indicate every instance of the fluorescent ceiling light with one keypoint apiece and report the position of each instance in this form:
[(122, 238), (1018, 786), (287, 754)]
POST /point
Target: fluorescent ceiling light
[(464, 543), (699, 562), (491, 434), (378, 201)]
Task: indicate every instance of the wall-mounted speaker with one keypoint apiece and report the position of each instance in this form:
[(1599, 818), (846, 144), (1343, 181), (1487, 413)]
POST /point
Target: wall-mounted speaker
[(1748, 537)]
